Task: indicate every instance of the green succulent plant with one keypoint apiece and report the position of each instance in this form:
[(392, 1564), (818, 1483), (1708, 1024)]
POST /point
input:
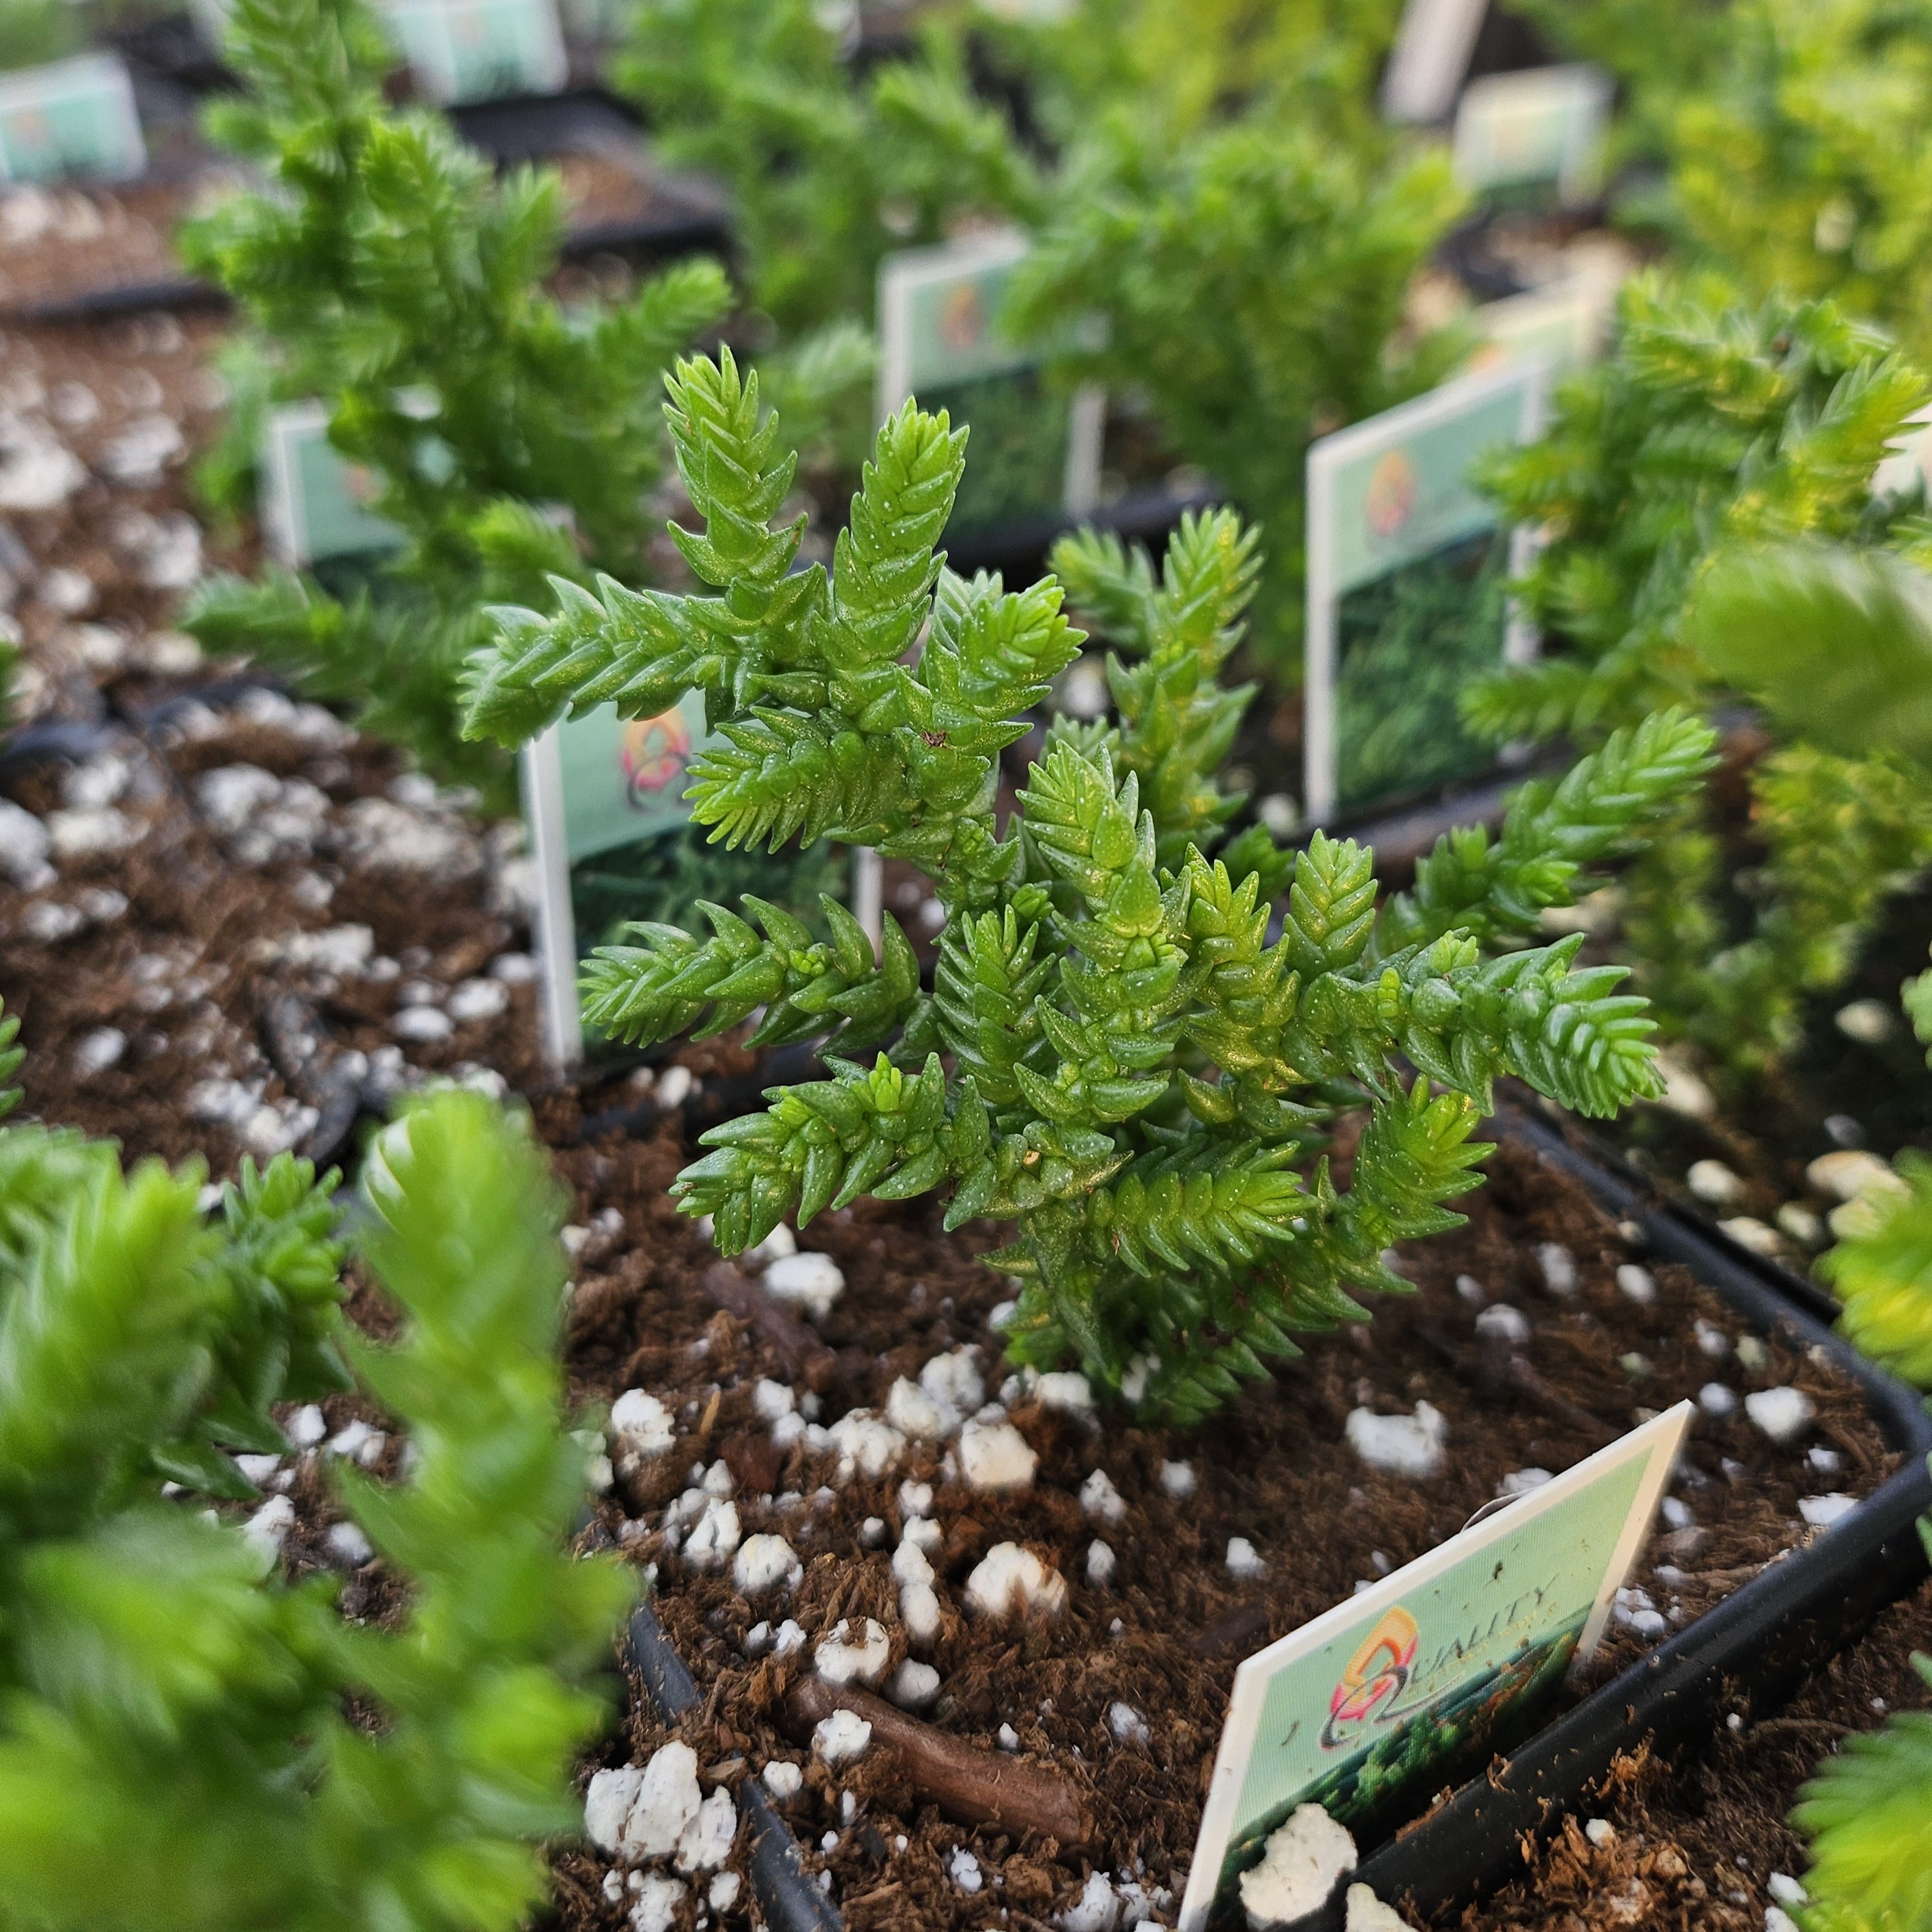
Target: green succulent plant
[(1253, 280), (1142, 1080), (1798, 167), (1714, 426), (383, 268), (185, 1740)]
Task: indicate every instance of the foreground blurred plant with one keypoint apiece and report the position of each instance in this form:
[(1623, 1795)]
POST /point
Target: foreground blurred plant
[(1139, 1074), (384, 270), (1712, 426), (176, 1745)]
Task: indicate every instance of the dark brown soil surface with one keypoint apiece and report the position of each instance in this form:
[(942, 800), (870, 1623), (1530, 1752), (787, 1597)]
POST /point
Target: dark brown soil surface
[(1166, 1636), (157, 971), (177, 990), (1695, 1842), (63, 244)]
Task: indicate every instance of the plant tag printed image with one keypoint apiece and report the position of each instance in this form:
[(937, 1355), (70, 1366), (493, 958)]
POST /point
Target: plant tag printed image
[(1565, 326), (1035, 450), (71, 119), (1371, 1702), (315, 502), (611, 833), (1527, 138), (465, 50), (1407, 603)]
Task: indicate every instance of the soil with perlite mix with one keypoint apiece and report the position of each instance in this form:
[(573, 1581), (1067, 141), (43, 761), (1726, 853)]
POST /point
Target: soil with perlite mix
[(247, 910), (1122, 1694), (1705, 1841)]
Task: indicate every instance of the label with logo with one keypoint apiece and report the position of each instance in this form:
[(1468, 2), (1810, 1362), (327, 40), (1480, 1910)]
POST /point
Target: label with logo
[(1542, 129), (1034, 453), (1564, 326), (1405, 599), (314, 502), (593, 787), (1364, 1710), (71, 117), (461, 51)]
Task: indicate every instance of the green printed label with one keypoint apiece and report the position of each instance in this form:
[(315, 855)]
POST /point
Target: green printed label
[(624, 778), (71, 117), (1543, 128), (1369, 1705), (467, 50), (1406, 497), (315, 501), (1034, 452)]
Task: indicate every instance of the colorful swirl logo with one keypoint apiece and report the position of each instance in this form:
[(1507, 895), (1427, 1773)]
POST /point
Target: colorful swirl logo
[(1391, 499), (652, 753), (1374, 1676)]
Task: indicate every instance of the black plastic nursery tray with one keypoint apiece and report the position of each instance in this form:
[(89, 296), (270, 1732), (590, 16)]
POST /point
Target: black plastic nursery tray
[(1760, 1639), (628, 203), (1799, 1609)]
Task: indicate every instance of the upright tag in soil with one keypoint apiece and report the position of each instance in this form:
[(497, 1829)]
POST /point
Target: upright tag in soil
[(1035, 452), (71, 117), (1407, 605), (313, 502), (1363, 1710), (461, 51), (1532, 137)]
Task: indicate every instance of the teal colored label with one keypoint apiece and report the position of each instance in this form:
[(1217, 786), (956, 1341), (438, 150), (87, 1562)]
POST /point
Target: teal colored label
[(71, 117), (466, 50), (952, 329), (325, 511), (624, 779), (1393, 1694), (1398, 502)]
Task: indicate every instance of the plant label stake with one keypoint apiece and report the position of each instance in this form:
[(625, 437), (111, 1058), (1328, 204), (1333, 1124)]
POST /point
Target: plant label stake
[(1373, 1698), (600, 792), (313, 501), (460, 51), (1430, 57), (1520, 135), (1564, 326), (70, 117), (596, 786), (939, 341), (1405, 599)]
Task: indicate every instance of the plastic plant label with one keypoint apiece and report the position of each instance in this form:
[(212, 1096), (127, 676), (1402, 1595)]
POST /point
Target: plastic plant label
[(605, 804), (1542, 129), (71, 117), (593, 786), (1430, 56), (465, 50), (1035, 454), (1362, 1710), (1564, 326), (1405, 598), (314, 501)]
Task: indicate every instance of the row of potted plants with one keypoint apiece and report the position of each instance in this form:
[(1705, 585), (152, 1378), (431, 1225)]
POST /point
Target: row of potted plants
[(1118, 1051)]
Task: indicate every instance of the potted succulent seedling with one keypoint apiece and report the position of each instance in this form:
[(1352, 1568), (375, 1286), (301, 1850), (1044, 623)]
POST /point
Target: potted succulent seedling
[(189, 1739), (1713, 425), (1137, 1073), (1200, 1142)]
